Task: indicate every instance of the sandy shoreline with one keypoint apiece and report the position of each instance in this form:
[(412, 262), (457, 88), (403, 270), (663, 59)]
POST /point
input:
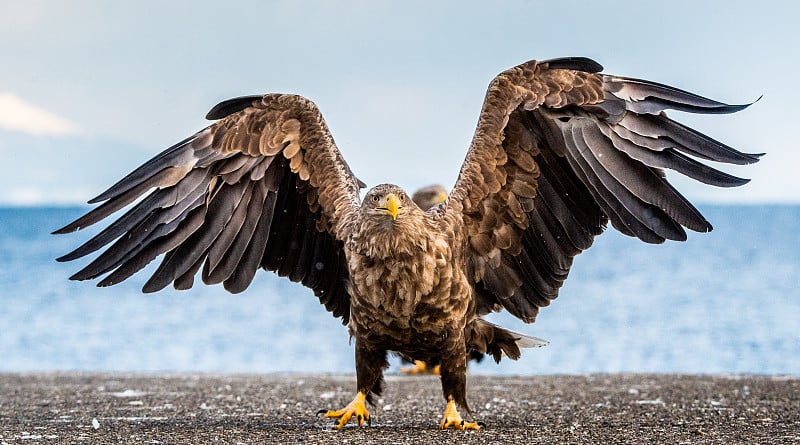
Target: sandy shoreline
[(228, 408)]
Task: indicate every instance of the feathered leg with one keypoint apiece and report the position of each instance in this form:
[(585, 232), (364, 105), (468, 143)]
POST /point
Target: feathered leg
[(453, 371), (370, 364)]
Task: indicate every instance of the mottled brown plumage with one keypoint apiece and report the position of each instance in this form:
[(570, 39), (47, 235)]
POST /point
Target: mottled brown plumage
[(426, 198), (560, 149)]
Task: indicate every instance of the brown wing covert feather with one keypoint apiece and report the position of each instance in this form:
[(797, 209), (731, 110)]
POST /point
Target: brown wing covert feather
[(265, 186), (561, 149)]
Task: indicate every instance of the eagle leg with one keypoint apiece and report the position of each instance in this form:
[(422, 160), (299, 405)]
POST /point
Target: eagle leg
[(370, 364), (454, 386), (419, 367)]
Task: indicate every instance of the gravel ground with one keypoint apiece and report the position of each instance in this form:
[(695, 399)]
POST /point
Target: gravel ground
[(202, 409)]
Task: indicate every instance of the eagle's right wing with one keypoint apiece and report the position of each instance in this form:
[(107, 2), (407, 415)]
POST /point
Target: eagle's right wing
[(264, 186)]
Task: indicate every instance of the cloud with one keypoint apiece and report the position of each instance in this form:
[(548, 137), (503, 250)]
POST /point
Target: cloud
[(16, 114), (46, 194), (62, 171)]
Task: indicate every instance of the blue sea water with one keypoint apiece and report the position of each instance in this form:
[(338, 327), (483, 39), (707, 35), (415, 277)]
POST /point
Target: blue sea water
[(722, 302)]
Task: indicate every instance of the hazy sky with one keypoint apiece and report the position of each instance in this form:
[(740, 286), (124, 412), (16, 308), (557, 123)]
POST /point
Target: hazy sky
[(90, 89)]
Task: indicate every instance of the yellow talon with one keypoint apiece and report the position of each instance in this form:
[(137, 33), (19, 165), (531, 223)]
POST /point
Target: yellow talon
[(419, 367), (356, 409), (453, 418)]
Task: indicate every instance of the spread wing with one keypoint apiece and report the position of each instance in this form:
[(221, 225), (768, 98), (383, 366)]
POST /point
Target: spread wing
[(561, 149), (264, 186)]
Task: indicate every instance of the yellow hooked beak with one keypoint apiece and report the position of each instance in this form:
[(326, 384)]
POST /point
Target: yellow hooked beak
[(441, 197), (390, 205)]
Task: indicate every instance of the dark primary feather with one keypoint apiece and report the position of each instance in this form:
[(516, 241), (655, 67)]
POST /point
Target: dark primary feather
[(574, 63), (644, 96), (668, 157), (682, 138), (230, 106)]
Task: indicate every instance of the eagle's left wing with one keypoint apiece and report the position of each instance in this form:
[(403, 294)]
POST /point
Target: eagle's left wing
[(560, 149)]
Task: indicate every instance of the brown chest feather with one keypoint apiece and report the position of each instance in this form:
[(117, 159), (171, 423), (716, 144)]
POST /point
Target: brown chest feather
[(406, 285)]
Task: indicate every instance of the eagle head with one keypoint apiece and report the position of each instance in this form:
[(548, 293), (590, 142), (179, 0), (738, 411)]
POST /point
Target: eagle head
[(389, 223), (429, 196), (388, 202)]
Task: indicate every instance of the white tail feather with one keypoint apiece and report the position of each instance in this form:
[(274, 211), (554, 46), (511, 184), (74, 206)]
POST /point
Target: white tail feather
[(522, 340), (526, 341)]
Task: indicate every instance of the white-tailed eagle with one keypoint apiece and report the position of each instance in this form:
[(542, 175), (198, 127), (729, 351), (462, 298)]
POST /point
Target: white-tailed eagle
[(560, 150)]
